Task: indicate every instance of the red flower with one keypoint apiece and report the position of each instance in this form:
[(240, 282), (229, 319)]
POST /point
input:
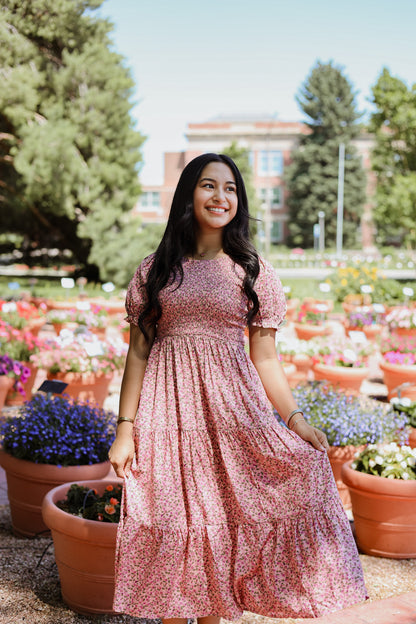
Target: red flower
[(109, 488), (110, 509), (114, 501)]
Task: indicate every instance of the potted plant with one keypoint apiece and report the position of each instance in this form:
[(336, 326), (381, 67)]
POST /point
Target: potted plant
[(83, 520), (341, 363), (367, 320), (402, 321), (22, 314), (349, 422), (407, 407), (311, 321), (20, 345), (399, 365), (51, 440), (85, 363), (382, 485), (13, 374)]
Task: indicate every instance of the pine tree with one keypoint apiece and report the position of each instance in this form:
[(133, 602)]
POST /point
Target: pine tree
[(327, 100), (394, 160), (69, 153)]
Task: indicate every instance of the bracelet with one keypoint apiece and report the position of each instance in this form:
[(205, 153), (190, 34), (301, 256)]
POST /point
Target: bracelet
[(296, 411), (297, 421), (124, 419)]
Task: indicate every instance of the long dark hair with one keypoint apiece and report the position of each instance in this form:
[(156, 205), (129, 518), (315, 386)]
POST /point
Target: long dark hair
[(179, 240)]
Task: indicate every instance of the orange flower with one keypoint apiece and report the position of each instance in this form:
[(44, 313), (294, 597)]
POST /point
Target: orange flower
[(110, 509), (114, 501), (109, 488)]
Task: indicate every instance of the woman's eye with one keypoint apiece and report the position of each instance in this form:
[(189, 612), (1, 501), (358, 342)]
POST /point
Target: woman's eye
[(231, 188), (208, 185)]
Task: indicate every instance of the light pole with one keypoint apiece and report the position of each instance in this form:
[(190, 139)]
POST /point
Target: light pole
[(340, 204), (321, 216)]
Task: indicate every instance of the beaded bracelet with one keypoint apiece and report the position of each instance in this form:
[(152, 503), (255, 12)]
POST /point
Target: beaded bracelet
[(295, 411), (124, 419)]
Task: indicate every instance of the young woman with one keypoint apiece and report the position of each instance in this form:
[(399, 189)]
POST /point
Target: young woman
[(224, 508)]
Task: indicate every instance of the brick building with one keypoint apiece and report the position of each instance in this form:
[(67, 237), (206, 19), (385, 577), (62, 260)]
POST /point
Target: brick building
[(270, 143)]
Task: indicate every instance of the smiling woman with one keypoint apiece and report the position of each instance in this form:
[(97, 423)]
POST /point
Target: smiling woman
[(215, 205)]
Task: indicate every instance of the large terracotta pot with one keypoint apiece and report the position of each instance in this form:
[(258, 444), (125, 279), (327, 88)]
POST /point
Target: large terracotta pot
[(290, 372), (337, 456), (371, 331), (5, 385), (291, 307), (405, 332), (304, 331), (35, 325), (84, 553), (394, 375), (14, 397), (347, 378), (384, 514), (85, 386), (27, 484), (310, 303)]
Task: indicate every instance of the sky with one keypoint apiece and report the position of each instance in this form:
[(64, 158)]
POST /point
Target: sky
[(192, 61)]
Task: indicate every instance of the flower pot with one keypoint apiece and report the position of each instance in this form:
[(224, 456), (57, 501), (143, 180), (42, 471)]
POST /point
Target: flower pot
[(290, 372), (384, 514), (5, 385), (99, 331), (14, 397), (84, 553), (371, 331), (394, 375), (337, 456), (305, 331), (310, 303), (412, 437), (85, 386), (291, 307), (302, 362), (345, 377), (27, 484), (405, 332)]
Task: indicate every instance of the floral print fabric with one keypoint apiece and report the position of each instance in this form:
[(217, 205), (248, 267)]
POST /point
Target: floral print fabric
[(225, 510)]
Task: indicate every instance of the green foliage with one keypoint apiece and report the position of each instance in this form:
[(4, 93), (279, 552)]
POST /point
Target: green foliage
[(327, 99), (390, 461), (70, 153), (394, 159), (86, 503)]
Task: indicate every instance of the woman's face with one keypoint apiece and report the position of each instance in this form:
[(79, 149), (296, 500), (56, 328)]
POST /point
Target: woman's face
[(215, 197)]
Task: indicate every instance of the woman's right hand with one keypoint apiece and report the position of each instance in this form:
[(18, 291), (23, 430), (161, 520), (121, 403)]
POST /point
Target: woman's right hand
[(121, 452)]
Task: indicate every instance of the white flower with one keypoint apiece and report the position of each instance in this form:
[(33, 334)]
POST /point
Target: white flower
[(399, 457), (403, 464), (378, 460), (371, 463), (405, 476)]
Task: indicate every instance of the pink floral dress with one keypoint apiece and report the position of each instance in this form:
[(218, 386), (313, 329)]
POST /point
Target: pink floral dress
[(225, 510)]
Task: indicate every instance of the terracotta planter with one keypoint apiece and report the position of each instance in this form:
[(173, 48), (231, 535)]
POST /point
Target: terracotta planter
[(14, 397), (371, 331), (290, 372), (306, 332), (302, 362), (35, 325), (412, 437), (384, 514), (341, 376), (5, 385), (337, 456), (27, 484), (405, 332), (99, 331), (84, 553), (394, 375), (310, 303), (126, 336), (85, 386)]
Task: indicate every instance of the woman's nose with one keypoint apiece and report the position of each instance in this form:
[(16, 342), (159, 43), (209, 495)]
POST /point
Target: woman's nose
[(219, 195)]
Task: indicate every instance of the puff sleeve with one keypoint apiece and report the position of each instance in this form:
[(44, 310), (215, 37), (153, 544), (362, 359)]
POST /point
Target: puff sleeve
[(272, 302), (136, 295)]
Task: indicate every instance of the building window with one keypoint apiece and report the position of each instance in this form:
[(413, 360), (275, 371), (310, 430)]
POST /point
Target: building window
[(271, 196), (270, 163), (149, 201), (276, 234)]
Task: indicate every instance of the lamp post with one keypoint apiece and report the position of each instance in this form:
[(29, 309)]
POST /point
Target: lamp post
[(340, 203), (321, 216)]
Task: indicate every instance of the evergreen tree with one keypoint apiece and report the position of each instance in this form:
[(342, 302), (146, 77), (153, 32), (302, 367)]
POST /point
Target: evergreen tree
[(327, 100), (394, 160), (69, 153)]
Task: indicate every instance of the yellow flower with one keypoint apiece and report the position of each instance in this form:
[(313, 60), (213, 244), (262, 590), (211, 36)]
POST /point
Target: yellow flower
[(344, 282)]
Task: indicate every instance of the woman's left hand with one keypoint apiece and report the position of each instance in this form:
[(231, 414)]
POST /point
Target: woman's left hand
[(312, 435)]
